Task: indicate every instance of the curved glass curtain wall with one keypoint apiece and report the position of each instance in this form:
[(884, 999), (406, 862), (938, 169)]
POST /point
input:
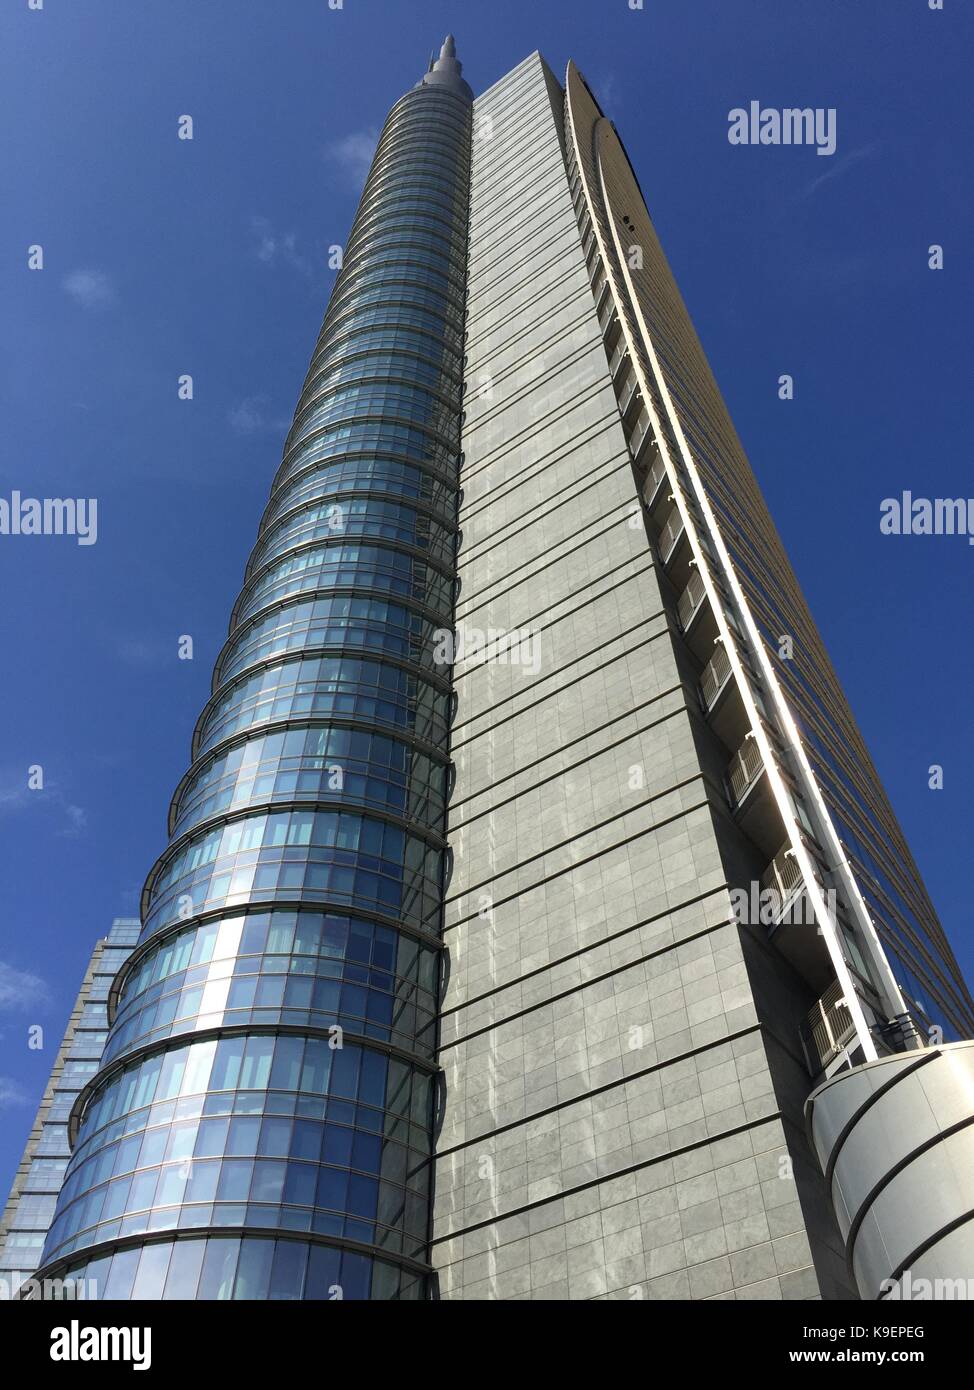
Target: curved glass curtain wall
[(226, 1148)]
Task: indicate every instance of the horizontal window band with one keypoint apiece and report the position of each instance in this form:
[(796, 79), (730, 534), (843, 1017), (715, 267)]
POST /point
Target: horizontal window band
[(87, 1254), (269, 808), (244, 1030), (217, 914)]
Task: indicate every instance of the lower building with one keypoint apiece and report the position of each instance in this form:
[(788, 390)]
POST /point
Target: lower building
[(37, 1182)]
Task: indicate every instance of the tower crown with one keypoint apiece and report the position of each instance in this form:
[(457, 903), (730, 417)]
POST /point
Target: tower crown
[(445, 71)]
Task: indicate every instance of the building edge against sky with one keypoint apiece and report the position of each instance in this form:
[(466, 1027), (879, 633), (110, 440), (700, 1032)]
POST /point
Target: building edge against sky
[(626, 1044)]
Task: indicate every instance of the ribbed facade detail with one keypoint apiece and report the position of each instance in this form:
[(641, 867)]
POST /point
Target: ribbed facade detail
[(798, 774), (261, 1123)]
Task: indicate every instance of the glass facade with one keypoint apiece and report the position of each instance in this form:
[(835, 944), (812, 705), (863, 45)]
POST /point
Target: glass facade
[(260, 1124)]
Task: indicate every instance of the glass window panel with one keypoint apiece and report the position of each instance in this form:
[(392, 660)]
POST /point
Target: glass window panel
[(234, 1185), (256, 1067), (287, 1274), (184, 1269), (300, 1184), (254, 1268), (201, 1186), (212, 1138), (219, 1268), (119, 1283), (286, 1071), (356, 1275), (243, 1135), (153, 1268), (324, 1267)]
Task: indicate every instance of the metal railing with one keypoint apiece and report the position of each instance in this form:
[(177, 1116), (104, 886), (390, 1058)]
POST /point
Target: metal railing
[(783, 876), (690, 601), (714, 676), (639, 433), (655, 478), (827, 1029), (618, 353), (783, 873), (744, 770), (627, 390), (669, 537)]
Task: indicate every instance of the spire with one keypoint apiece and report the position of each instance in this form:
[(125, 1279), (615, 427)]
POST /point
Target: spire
[(446, 70)]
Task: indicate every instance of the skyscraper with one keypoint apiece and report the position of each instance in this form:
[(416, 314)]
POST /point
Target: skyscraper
[(556, 1041)]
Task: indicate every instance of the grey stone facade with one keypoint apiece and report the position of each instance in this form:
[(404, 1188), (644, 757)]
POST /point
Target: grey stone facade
[(619, 1119)]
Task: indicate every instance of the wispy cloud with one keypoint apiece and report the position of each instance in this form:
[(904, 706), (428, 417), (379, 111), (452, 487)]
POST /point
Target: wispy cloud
[(16, 797), (10, 1093), (274, 248), (90, 289), (250, 416), (839, 167), (77, 820), (145, 653), (353, 154), (607, 91), (19, 989)]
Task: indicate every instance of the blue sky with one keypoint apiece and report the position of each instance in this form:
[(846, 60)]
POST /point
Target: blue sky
[(164, 257)]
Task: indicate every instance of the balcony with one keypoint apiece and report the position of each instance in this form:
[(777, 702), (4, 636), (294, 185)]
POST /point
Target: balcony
[(698, 622), (714, 678), (827, 1031), (655, 478), (691, 601), (642, 431), (628, 392), (784, 877), (601, 291), (671, 535), (744, 771), (618, 357), (750, 797), (674, 548), (720, 696), (790, 919)]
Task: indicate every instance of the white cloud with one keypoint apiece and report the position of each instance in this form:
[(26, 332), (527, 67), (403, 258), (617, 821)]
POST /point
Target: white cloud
[(841, 166), (91, 289), (250, 416), (353, 153), (10, 1093), (19, 989), (607, 90), (16, 796), (77, 820), (274, 248)]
